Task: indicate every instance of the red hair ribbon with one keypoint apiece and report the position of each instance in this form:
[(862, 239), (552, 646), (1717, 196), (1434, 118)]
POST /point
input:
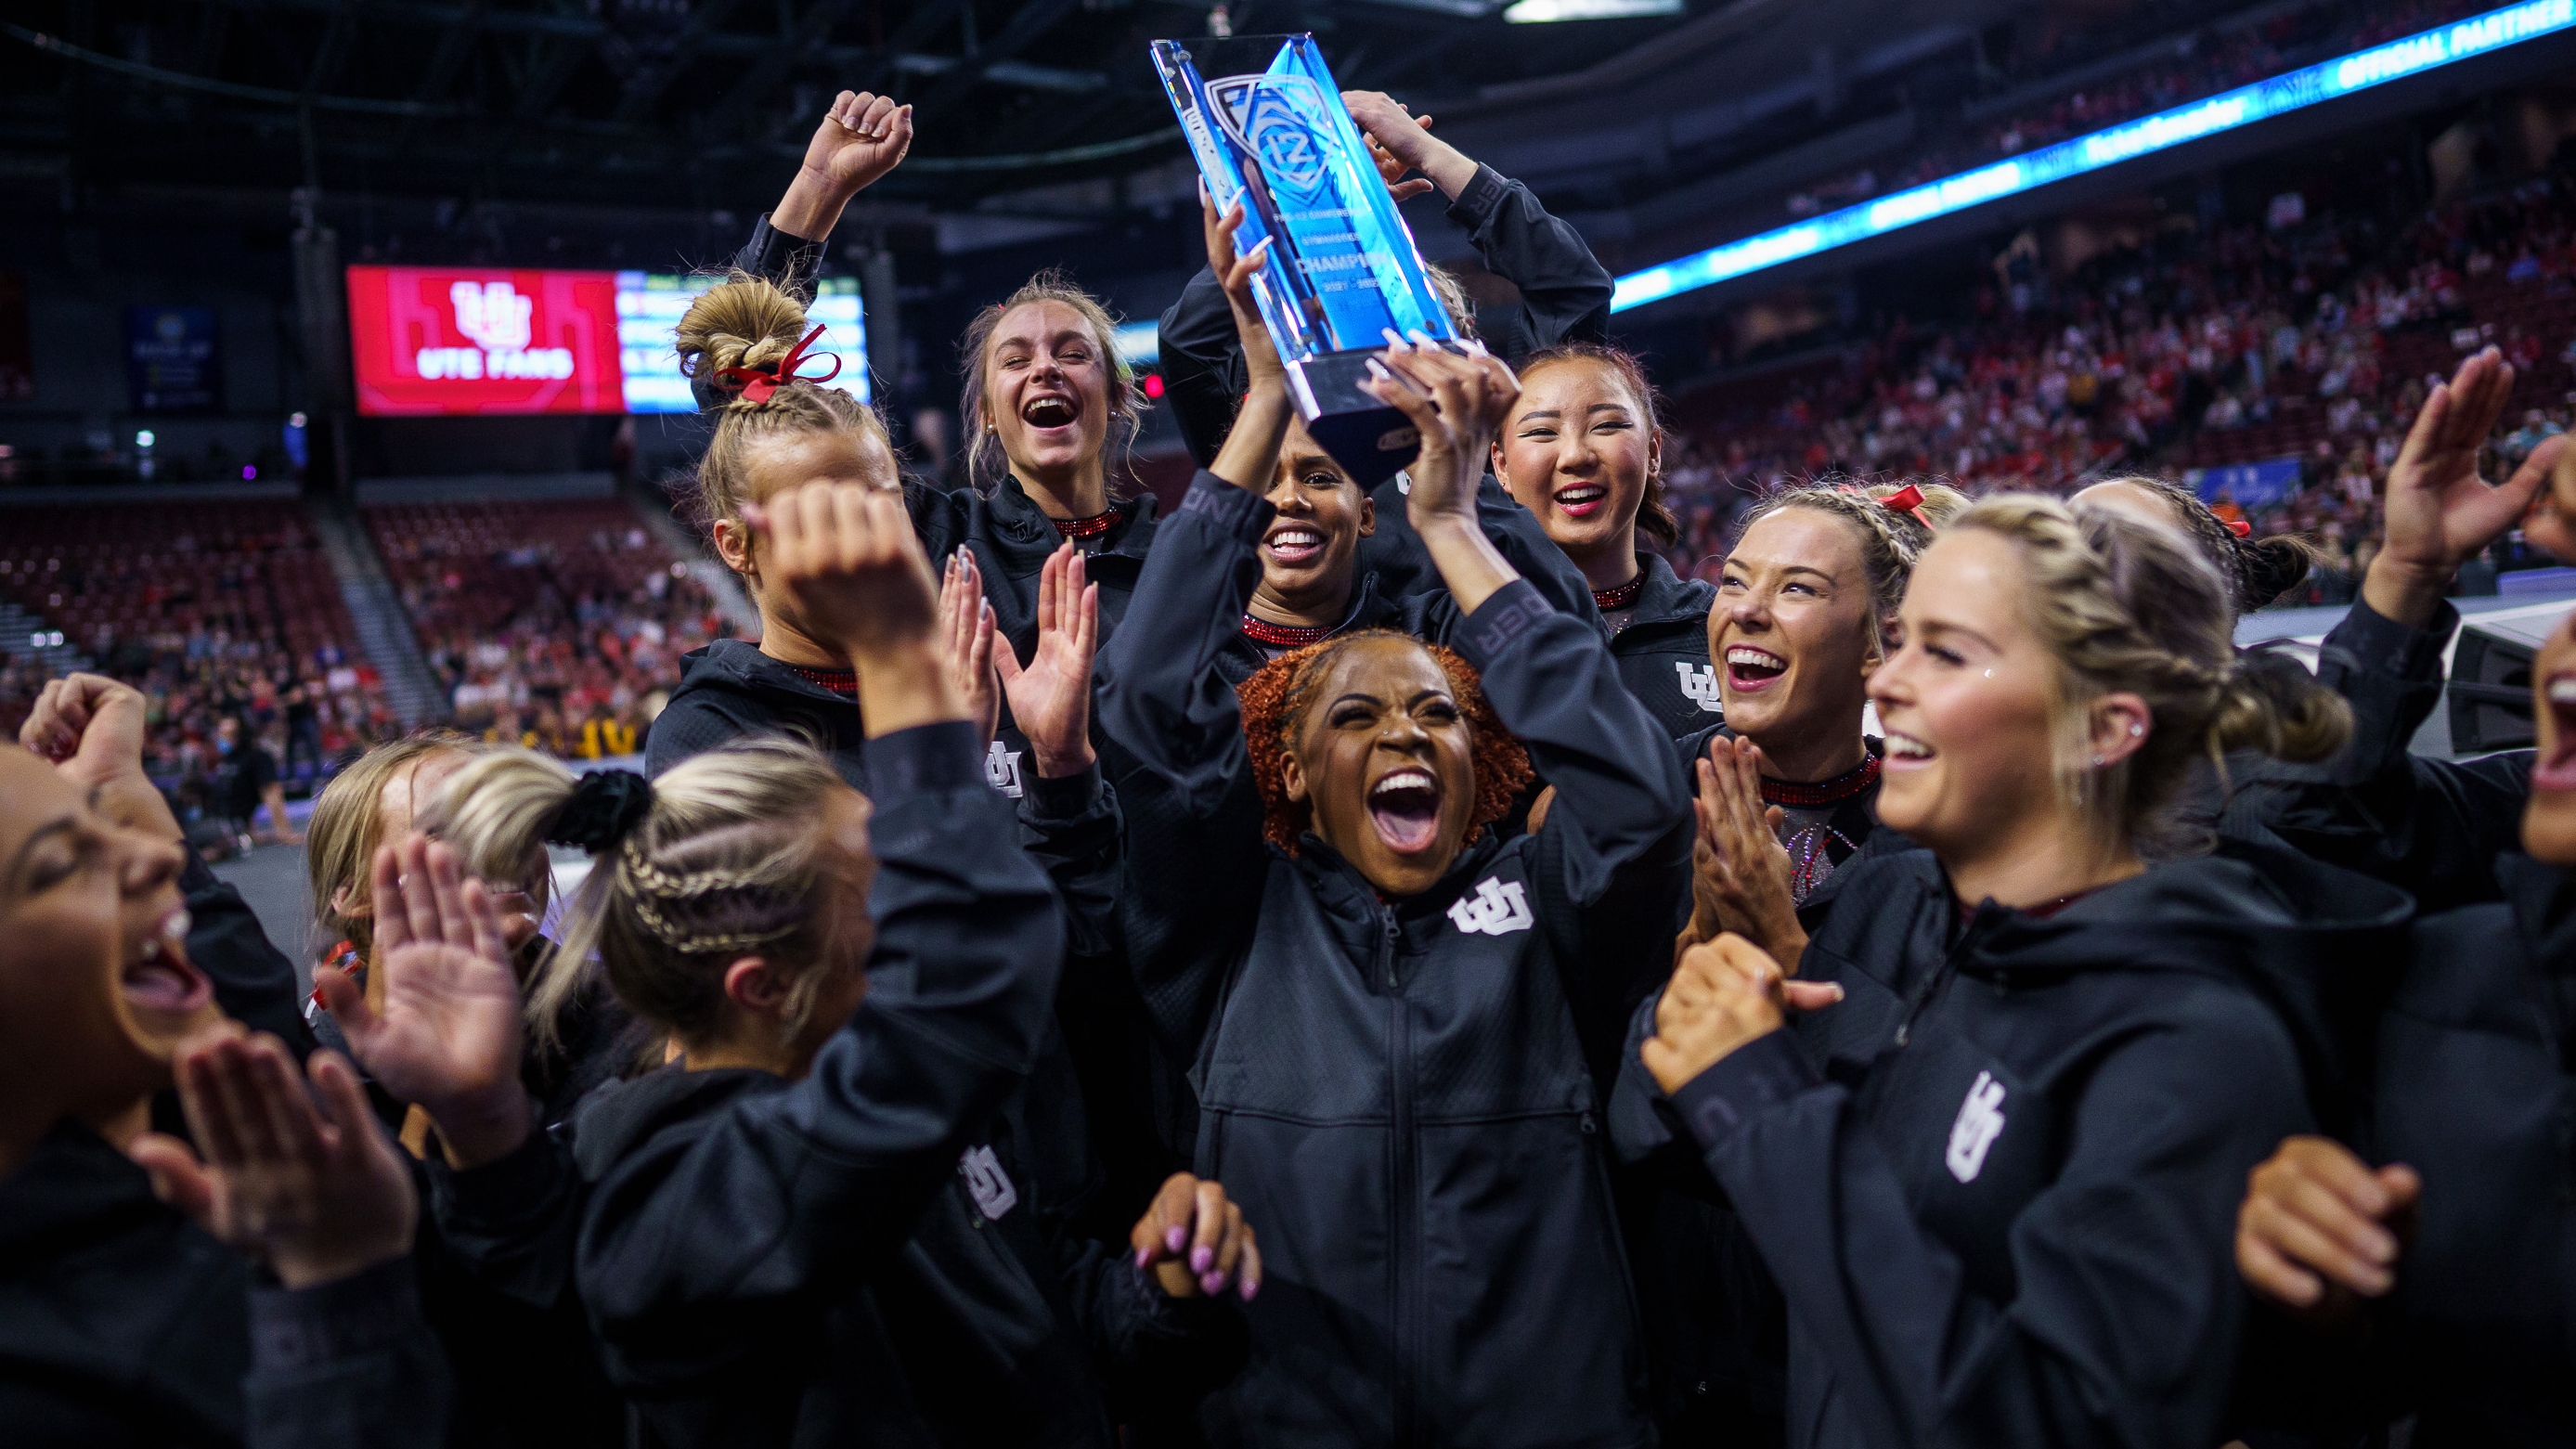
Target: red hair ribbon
[(758, 383), (1908, 499), (2239, 527)]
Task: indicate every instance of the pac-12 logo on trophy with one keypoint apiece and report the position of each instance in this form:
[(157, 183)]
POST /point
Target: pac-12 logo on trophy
[(1276, 117)]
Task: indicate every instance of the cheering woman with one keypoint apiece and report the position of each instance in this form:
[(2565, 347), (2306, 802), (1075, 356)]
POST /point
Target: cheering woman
[(1583, 451), (1383, 997), (1994, 1167)]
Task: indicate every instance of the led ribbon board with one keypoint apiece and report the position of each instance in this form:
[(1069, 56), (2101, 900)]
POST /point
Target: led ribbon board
[(2280, 95)]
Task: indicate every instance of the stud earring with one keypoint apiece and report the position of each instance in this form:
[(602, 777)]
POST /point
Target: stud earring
[(2136, 730)]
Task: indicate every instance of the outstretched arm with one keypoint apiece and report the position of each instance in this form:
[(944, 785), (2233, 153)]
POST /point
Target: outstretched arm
[(1564, 290)]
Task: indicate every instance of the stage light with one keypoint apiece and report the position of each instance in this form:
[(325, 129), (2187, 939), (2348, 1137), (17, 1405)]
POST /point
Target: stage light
[(1139, 343), (2279, 95), (1540, 12)]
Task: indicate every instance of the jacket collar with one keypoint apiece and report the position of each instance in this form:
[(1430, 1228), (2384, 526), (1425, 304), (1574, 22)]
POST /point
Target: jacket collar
[(1024, 535), (1668, 598), (739, 664)]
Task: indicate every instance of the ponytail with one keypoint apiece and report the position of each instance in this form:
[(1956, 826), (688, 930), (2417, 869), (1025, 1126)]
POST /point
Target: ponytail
[(2256, 571), (723, 856)]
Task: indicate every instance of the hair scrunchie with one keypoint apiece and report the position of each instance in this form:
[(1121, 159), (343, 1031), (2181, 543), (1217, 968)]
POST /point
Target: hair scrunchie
[(604, 808)]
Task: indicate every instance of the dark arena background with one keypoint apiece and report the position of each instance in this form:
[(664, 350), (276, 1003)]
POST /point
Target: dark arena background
[(1284, 724), (2011, 244)]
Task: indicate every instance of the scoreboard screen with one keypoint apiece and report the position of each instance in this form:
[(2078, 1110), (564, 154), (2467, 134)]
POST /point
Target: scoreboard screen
[(453, 341)]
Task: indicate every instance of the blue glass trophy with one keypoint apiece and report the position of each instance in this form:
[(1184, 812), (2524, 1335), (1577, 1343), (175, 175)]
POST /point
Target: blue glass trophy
[(1270, 130)]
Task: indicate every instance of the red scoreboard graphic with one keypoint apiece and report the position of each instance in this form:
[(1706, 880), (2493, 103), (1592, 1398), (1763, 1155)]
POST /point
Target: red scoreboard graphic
[(430, 340)]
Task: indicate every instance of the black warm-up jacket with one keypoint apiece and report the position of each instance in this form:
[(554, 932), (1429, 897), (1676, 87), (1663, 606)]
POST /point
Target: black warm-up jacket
[(1998, 1182), (2476, 1090), (861, 1253), (2434, 827), (1403, 1094), (1663, 650)]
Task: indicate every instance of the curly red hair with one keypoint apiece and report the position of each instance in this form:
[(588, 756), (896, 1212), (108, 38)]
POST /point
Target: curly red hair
[(1278, 694)]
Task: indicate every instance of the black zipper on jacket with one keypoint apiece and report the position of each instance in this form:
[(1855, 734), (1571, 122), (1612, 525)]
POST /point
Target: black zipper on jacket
[(1969, 935), (1405, 1255)]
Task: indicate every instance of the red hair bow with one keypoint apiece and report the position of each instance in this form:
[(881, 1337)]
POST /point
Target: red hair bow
[(1908, 499), (758, 383), (2239, 527)]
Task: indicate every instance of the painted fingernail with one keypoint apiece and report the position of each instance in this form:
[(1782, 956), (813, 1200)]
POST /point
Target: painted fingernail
[(1378, 370), (1144, 1256), (1249, 1288), (1202, 1258), (1394, 341), (1420, 337), (1211, 1284), (1177, 1238)]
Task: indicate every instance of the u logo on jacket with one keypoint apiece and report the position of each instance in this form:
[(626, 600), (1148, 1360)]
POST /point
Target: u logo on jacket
[(1980, 1122), (1699, 685), (1497, 908)]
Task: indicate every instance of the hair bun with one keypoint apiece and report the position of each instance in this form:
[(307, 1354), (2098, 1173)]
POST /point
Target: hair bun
[(604, 807)]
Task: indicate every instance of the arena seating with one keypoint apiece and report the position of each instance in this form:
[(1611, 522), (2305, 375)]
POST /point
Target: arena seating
[(549, 624), (212, 608)]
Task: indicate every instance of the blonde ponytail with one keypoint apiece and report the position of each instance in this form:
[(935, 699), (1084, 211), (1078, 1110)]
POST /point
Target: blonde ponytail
[(730, 857)]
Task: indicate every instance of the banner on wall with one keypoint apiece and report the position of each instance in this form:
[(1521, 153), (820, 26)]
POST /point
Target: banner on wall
[(172, 363), (17, 354), (442, 340)]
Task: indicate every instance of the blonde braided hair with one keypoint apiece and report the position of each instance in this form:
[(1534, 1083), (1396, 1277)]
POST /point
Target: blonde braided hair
[(1890, 541), (732, 856)]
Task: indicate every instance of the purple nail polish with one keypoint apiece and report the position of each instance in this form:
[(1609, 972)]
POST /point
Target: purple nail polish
[(1211, 1284), (1202, 1259), (1144, 1256), (1250, 1288), (1177, 1238)]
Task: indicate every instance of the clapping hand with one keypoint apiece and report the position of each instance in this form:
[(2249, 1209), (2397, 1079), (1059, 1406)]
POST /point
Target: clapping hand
[(1740, 873), (448, 1035), (1051, 694), (303, 1181), (1725, 994), (966, 640), (1196, 1241)]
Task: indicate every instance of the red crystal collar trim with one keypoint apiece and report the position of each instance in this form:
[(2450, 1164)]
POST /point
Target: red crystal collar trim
[(1622, 597), (1092, 527), (1286, 636), (843, 682), (1827, 792)]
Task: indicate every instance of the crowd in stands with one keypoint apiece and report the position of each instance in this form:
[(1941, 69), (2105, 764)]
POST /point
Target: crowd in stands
[(2310, 342), (218, 612), (558, 626)]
